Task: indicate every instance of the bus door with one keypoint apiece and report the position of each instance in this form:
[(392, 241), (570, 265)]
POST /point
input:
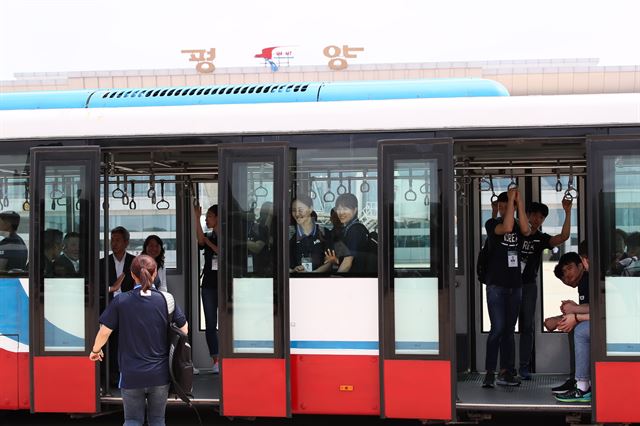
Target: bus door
[(253, 287), (416, 258), (63, 310), (614, 273)]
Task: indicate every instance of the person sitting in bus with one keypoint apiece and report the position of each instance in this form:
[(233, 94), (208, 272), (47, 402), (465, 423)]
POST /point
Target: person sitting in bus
[(353, 236), (620, 258), (67, 264), (209, 244), (13, 251), (154, 247), (630, 265), (576, 319), (571, 271), (308, 244), (52, 249), (504, 285), (119, 262), (260, 242), (141, 317), (530, 256)]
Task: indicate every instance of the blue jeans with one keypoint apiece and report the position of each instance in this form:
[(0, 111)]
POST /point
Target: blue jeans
[(527, 323), (210, 306), (504, 306), (583, 356), (134, 405)]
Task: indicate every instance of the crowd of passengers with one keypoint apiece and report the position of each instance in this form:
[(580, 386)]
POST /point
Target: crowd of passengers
[(515, 244)]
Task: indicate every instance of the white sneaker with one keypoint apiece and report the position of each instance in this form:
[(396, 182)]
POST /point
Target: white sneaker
[(216, 368), (196, 371)]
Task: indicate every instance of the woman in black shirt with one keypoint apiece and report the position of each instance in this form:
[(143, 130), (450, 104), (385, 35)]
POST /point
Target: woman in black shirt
[(307, 246)]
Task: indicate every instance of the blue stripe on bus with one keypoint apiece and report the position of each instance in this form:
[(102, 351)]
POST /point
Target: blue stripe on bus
[(623, 347), (417, 345), (253, 344), (333, 344)]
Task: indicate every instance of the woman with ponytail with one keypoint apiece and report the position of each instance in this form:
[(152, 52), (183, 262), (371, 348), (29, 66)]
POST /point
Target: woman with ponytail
[(142, 319)]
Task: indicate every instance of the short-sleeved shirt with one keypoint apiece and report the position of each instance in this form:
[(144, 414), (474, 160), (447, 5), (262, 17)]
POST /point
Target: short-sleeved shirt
[(311, 246), (210, 269), (143, 349), (583, 288), (531, 248), (15, 251), (355, 238), (261, 260), (503, 268)]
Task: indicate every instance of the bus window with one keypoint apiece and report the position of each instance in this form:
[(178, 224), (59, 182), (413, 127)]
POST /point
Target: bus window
[(14, 227), (334, 212), (621, 208), (146, 218), (64, 272), (554, 292)]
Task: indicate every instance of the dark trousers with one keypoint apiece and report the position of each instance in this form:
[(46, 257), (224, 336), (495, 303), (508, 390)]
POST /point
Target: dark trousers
[(526, 323), (210, 305), (504, 306)]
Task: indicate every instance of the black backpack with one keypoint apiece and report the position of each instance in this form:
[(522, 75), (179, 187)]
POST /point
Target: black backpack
[(483, 262), (180, 362)]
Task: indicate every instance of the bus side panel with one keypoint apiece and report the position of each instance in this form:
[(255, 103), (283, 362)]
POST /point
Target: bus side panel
[(334, 345), (617, 396), (8, 372), (24, 381), (63, 379), (417, 389), (14, 343), (256, 386), (335, 384)]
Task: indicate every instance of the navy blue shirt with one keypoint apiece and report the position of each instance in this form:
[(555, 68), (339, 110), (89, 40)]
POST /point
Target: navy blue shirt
[(531, 248), (355, 238), (311, 246), (504, 262), (583, 288), (143, 350), (209, 274)]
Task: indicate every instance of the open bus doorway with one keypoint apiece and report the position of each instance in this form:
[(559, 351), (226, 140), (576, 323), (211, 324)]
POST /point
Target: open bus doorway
[(543, 170), (152, 191)]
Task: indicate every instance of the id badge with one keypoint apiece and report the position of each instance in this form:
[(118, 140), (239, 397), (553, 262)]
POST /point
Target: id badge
[(307, 264), (214, 263), (512, 259), (250, 264)]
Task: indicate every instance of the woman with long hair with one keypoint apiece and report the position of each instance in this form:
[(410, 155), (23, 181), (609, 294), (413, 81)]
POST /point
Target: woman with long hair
[(141, 317), (307, 245), (154, 247), (209, 244)]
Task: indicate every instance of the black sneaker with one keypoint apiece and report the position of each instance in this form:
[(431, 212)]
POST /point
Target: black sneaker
[(489, 380), (506, 378), (567, 386)]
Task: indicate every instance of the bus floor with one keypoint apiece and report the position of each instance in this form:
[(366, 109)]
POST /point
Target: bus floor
[(206, 390), (531, 395)]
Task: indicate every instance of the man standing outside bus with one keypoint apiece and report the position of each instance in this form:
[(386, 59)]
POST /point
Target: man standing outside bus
[(531, 250), (504, 283)]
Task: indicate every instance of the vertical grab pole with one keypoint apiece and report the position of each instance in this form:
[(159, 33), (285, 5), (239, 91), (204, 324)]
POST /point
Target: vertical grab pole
[(108, 169)]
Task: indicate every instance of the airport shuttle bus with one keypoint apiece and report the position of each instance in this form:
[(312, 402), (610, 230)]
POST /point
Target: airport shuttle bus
[(401, 330)]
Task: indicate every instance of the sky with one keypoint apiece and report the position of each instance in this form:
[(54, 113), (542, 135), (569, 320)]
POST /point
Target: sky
[(100, 35)]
